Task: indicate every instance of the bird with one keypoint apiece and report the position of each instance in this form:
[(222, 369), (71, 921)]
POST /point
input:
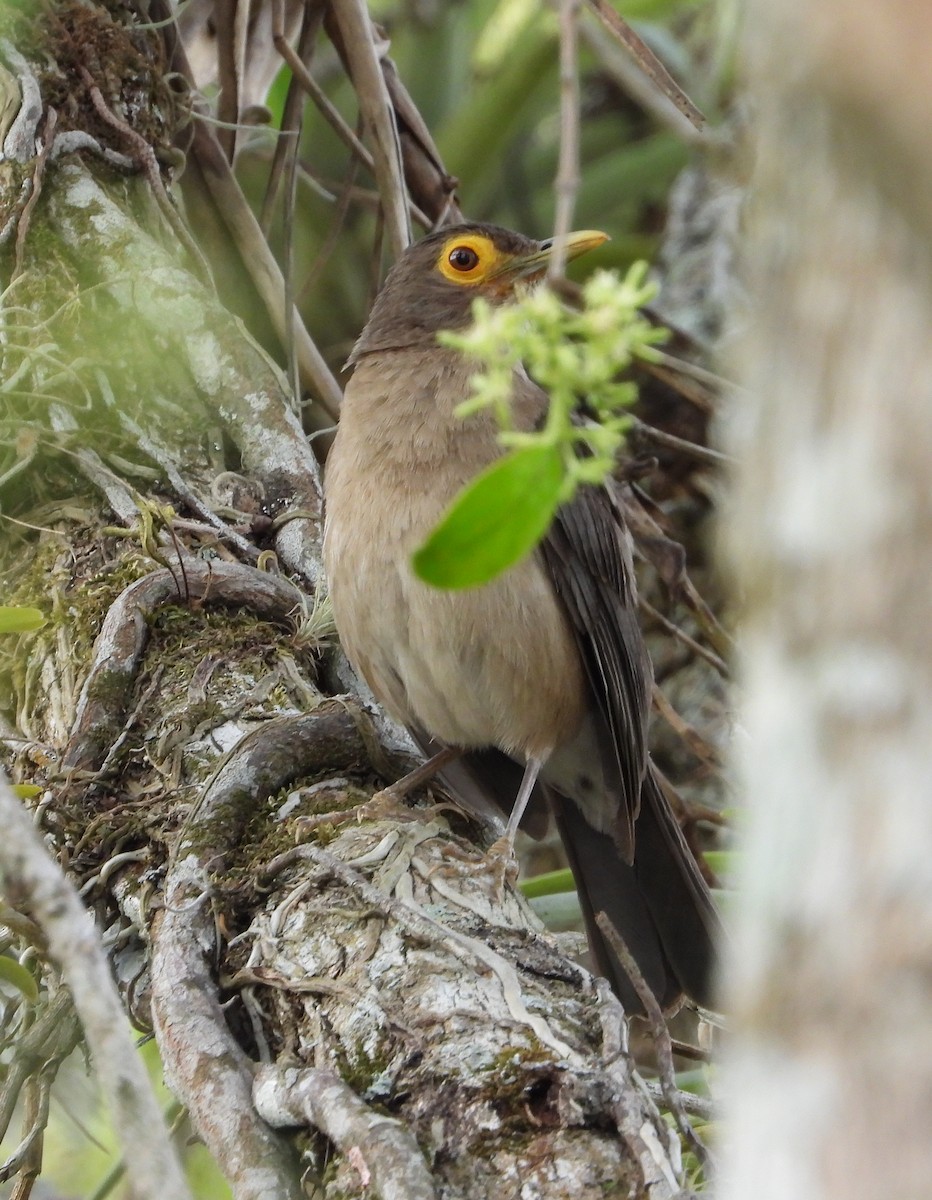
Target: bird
[(540, 679)]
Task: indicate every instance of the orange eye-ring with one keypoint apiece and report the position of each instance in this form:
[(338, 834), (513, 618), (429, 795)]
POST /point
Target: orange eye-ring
[(470, 258)]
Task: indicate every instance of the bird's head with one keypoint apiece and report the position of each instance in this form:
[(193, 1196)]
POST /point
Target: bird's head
[(433, 284)]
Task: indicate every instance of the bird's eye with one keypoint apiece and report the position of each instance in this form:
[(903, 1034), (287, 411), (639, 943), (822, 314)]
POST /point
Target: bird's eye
[(467, 258), (463, 258)]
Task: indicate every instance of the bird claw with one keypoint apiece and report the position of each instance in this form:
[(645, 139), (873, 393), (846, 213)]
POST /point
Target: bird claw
[(381, 805), (390, 802), (502, 864)]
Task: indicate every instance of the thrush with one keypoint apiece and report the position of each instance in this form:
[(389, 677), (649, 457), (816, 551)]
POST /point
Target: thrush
[(540, 677)]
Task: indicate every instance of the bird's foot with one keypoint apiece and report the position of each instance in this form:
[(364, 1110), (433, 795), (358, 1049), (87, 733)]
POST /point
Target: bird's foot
[(422, 774), (389, 803), (384, 805), (501, 863), (381, 805)]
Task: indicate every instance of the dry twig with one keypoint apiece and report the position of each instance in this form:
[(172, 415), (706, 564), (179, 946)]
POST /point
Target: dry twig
[(700, 746), (681, 635), (649, 63), (352, 17), (566, 184), (659, 1033)]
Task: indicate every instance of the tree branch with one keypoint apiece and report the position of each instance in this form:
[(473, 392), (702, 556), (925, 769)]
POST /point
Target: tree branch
[(31, 879), (382, 1150)]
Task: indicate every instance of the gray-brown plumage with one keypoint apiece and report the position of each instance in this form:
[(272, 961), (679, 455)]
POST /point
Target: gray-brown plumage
[(544, 668)]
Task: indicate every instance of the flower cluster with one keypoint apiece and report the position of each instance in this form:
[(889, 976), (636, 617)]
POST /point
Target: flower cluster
[(578, 357)]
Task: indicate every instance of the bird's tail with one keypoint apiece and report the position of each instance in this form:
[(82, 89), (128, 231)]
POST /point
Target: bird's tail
[(660, 904)]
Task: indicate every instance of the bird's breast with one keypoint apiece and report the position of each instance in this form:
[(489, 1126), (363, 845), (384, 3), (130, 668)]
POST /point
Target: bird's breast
[(493, 665)]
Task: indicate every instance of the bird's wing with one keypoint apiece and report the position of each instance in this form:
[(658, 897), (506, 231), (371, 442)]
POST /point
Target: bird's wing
[(588, 556), (653, 891)]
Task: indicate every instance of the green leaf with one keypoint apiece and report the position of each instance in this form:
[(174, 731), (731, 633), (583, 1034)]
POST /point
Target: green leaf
[(19, 620), (12, 972), (722, 862), (495, 521), (550, 883), (275, 100), (26, 791), (477, 135)]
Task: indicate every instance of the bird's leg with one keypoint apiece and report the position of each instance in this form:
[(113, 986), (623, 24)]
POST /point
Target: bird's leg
[(531, 771), (502, 851), (387, 800), (414, 779)]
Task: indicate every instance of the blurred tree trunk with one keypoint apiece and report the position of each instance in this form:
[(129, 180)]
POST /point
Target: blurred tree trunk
[(831, 533), (188, 728)]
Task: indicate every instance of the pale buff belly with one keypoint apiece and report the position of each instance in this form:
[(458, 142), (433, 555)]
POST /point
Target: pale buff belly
[(490, 666)]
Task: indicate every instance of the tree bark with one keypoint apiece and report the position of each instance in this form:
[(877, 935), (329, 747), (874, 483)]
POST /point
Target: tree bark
[(830, 529)]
